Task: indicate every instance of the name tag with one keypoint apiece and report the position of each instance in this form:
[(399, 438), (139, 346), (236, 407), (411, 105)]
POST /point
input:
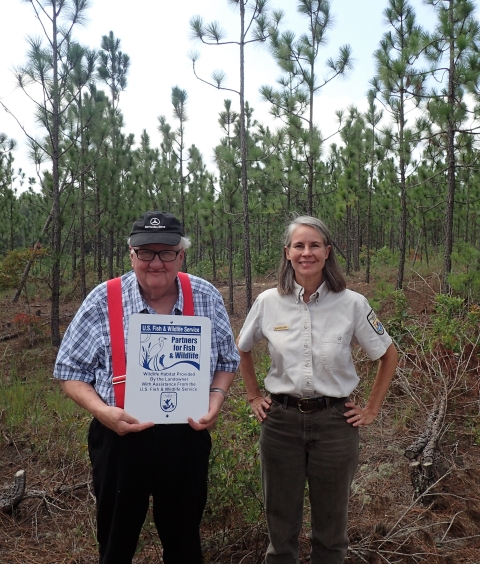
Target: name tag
[(281, 328)]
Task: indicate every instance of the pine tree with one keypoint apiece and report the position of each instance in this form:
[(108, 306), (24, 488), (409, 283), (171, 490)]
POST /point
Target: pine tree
[(9, 216), (112, 70), (84, 112), (399, 86), (179, 99), (353, 184), (257, 27), (455, 45), (227, 157), (300, 83), (50, 67), (372, 118)]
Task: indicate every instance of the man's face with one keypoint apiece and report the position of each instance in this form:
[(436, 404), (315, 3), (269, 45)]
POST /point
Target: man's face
[(156, 275)]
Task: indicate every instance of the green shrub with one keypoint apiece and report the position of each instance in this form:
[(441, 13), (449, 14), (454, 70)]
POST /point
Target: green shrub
[(449, 321), (238, 260), (266, 260), (383, 290), (398, 320), (14, 263), (465, 279), (234, 476), (203, 269), (384, 257)]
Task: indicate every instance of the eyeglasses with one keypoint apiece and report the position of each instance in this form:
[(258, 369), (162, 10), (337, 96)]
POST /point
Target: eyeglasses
[(149, 255)]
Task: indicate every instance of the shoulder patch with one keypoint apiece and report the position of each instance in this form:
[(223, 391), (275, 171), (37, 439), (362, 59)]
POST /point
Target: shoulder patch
[(375, 323)]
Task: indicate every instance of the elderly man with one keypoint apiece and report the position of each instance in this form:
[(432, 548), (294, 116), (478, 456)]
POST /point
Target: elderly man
[(131, 460)]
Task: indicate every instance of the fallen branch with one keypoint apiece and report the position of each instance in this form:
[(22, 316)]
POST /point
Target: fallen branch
[(43, 494), (18, 492), (431, 446), (420, 443), (9, 336)]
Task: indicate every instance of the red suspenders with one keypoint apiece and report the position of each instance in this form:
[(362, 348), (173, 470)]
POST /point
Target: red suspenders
[(187, 293), (117, 339)]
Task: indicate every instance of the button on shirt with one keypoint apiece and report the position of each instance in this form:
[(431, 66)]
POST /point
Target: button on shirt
[(85, 352), (311, 343)]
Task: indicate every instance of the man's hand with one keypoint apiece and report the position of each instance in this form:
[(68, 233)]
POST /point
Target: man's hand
[(209, 420), (222, 380), (120, 421), (114, 418)]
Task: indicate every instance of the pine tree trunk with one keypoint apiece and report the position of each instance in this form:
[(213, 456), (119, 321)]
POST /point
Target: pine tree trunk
[(243, 147), (348, 231), (403, 199), (74, 254), (99, 236), (213, 255), (83, 270), (369, 210), (56, 210), (450, 199), (230, 266), (356, 240)]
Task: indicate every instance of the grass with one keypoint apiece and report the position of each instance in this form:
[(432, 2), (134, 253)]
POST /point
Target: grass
[(34, 408)]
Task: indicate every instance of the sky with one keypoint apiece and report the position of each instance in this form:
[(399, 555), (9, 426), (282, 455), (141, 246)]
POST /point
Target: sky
[(156, 35)]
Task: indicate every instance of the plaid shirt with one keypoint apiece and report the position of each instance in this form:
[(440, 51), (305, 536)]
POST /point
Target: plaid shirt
[(85, 352)]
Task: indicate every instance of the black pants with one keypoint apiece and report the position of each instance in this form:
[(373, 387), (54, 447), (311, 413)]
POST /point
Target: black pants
[(170, 462)]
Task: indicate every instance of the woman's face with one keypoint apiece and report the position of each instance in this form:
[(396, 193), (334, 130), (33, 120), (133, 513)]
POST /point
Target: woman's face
[(307, 253)]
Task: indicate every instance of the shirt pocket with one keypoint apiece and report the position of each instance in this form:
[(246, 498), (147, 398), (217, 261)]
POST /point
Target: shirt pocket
[(336, 351)]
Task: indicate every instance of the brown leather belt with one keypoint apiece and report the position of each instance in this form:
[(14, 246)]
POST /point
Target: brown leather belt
[(306, 405)]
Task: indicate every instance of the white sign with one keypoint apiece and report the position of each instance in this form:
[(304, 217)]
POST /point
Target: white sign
[(168, 367)]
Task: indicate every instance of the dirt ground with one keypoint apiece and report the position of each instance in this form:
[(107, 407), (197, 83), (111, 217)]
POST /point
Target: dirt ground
[(54, 524)]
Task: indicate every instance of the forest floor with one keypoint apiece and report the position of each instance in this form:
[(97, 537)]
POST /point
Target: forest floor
[(390, 521)]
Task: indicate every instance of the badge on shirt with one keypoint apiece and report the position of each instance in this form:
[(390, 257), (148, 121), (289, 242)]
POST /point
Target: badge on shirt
[(375, 322), (281, 328)]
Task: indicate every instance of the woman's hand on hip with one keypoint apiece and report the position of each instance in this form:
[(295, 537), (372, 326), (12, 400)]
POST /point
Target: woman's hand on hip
[(260, 406), (359, 416)]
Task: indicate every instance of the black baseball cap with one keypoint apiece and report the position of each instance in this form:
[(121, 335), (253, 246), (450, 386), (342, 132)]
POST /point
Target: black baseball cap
[(156, 227)]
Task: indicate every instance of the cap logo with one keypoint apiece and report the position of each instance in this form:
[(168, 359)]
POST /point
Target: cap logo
[(156, 227)]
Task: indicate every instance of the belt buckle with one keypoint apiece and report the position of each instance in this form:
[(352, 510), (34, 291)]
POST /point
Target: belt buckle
[(299, 405)]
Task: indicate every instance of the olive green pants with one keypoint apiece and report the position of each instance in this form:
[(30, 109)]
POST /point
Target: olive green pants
[(318, 447)]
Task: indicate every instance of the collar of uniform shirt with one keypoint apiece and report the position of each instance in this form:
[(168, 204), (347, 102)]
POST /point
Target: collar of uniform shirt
[(317, 296)]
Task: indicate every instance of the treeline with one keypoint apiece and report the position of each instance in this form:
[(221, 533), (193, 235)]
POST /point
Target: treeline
[(402, 175)]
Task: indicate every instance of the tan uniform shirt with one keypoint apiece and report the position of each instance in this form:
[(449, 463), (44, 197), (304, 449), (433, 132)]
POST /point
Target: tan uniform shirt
[(311, 343)]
